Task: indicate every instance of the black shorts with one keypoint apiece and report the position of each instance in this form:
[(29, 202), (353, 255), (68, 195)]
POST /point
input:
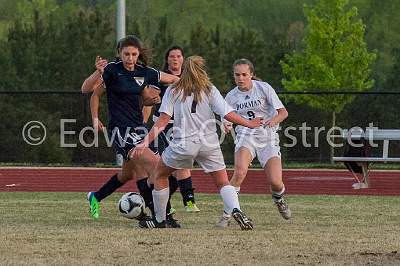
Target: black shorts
[(125, 138)]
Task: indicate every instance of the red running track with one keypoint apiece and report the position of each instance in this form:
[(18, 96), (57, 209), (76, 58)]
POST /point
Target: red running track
[(297, 181)]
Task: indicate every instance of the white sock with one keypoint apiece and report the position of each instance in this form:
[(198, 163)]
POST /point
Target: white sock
[(237, 190), (277, 195), (226, 215), (160, 199), (230, 198)]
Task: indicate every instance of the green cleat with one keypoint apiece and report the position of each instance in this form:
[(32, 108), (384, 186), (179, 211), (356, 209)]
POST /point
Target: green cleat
[(94, 205), (191, 207), (171, 211)]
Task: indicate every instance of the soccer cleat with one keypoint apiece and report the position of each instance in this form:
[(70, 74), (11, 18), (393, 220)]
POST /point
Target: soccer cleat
[(151, 223), (94, 205), (244, 222), (171, 222), (191, 207), (142, 216), (171, 211), (223, 222), (283, 208)]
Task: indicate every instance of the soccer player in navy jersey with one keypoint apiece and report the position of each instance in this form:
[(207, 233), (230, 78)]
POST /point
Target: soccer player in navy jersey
[(124, 82), (181, 178)]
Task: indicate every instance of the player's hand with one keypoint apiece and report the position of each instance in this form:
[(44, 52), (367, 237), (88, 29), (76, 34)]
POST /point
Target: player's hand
[(152, 101), (256, 122), (98, 125), (157, 100), (272, 122), (100, 64), (227, 127), (137, 151), (151, 95)]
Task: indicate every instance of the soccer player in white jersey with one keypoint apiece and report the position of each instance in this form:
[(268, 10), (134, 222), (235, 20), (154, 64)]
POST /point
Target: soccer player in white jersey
[(192, 101), (253, 98)]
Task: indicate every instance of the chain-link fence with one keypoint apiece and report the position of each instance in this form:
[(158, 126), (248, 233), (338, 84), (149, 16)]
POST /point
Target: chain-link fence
[(51, 127)]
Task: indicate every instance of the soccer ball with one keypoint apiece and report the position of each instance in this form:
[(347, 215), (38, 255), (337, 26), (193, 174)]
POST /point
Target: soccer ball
[(131, 205)]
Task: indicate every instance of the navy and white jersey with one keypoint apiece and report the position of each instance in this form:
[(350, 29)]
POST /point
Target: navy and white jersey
[(191, 118), (124, 90), (260, 101), (163, 88)]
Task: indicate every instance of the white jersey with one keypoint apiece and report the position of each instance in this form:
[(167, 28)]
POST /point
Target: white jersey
[(191, 119), (260, 101)]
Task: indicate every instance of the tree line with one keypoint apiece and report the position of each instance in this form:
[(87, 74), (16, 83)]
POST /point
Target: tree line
[(51, 45)]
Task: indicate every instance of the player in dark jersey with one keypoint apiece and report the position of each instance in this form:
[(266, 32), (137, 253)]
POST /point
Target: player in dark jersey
[(173, 61), (124, 82)]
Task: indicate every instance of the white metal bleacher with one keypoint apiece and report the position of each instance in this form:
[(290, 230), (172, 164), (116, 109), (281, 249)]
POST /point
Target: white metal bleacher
[(372, 135)]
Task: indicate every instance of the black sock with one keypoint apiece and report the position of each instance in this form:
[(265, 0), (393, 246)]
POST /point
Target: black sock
[(146, 193), (168, 206), (108, 188), (185, 186), (173, 184)]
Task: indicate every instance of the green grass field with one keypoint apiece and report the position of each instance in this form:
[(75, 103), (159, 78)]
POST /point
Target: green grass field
[(55, 229)]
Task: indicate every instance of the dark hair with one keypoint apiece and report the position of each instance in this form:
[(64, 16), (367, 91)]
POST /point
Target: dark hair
[(174, 47), (244, 61), (131, 40)]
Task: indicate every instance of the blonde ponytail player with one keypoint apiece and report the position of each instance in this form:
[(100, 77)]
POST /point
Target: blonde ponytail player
[(192, 101)]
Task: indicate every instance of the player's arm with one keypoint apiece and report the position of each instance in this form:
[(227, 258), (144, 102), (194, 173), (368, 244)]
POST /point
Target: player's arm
[(282, 115), (151, 95), (94, 80), (226, 125), (146, 113), (94, 108), (168, 78), (273, 99), (223, 109), (237, 119)]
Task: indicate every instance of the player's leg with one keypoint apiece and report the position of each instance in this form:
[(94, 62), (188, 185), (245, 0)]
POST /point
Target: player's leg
[(115, 182), (231, 199), (160, 197), (171, 160), (184, 178), (243, 158), (210, 158), (270, 158), (273, 169), (161, 143), (145, 189), (148, 162), (145, 165)]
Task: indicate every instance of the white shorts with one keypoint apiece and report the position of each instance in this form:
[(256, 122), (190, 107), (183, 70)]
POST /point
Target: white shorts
[(264, 147), (206, 151)]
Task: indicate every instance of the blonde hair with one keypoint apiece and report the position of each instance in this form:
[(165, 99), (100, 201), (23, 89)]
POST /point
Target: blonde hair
[(194, 79)]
